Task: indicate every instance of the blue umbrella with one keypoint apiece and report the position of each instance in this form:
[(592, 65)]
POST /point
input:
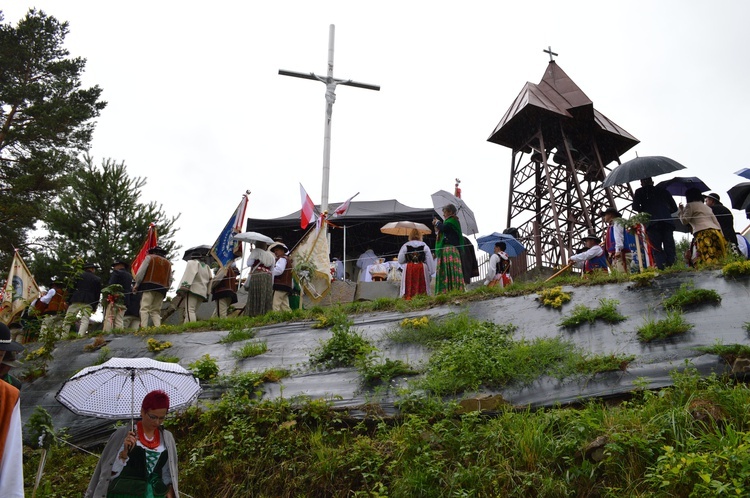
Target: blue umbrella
[(680, 184), (513, 248), (744, 173)]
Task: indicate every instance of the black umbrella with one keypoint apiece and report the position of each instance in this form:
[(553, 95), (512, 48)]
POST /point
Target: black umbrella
[(201, 251), (680, 184), (740, 195), (640, 168)]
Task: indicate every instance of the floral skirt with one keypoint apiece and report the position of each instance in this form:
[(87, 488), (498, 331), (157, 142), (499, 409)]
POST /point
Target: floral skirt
[(260, 294), (711, 246), (414, 281), (450, 276)]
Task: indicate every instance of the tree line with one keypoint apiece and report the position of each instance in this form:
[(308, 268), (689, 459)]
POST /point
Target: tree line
[(56, 202)]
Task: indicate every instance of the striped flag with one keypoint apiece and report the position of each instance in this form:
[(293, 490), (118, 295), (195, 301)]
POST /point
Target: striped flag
[(20, 289), (307, 214), (344, 207), (150, 243)]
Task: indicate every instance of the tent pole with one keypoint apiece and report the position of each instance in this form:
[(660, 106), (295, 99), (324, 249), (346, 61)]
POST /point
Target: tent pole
[(343, 277)]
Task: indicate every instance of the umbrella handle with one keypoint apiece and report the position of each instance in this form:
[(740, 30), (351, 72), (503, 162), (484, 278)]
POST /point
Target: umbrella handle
[(132, 400)]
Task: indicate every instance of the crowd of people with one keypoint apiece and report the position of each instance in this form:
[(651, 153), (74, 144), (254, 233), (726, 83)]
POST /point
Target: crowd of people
[(652, 243)]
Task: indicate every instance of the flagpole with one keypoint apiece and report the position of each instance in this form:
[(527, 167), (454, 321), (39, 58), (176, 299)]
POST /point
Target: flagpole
[(344, 275)]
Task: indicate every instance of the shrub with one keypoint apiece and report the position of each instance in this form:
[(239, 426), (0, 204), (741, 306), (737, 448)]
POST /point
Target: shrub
[(607, 312), (250, 349), (104, 354), (205, 367), (343, 348), (645, 278), (736, 269), (553, 297), (155, 346), (673, 324), (687, 297), (375, 370)]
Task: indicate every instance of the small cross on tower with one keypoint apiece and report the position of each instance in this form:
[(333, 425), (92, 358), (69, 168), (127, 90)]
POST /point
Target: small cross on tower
[(549, 51)]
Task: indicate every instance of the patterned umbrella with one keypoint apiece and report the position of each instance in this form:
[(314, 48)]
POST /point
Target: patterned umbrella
[(114, 389)]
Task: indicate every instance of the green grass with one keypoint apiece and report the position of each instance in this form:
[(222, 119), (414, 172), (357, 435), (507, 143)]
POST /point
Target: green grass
[(167, 358), (237, 334), (727, 351), (673, 324), (250, 349), (603, 363), (377, 370), (606, 312), (736, 269), (687, 297), (653, 445), (430, 332)]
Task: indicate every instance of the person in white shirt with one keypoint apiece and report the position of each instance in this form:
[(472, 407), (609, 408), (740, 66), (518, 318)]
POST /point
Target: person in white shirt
[(282, 277), (498, 272), (366, 259), (593, 258)]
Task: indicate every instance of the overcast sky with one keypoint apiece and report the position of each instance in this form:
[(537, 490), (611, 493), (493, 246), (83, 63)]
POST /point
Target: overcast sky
[(197, 107)]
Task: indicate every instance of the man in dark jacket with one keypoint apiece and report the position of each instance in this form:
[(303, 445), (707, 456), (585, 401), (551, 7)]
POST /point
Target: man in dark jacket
[(84, 299), (660, 205), (115, 310), (725, 217)]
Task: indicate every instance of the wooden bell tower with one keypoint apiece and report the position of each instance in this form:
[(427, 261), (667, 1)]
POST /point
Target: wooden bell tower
[(562, 147)]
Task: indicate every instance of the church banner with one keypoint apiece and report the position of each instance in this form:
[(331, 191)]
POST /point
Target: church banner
[(20, 289)]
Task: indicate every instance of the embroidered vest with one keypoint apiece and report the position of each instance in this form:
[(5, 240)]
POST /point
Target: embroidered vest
[(58, 303), (597, 263), (8, 399), (157, 273), (228, 284), (284, 281)]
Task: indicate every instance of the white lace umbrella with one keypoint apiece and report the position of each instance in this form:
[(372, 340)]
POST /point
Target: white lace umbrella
[(116, 389), (253, 237)]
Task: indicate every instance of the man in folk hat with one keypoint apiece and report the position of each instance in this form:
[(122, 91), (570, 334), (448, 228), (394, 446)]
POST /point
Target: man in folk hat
[(153, 278), (11, 441), (224, 288), (618, 242), (724, 217), (115, 310), (282, 277), (593, 258), (84, 299), (194, 286)]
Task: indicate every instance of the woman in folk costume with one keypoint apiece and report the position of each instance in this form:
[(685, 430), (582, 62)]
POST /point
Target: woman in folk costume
[(259, 282), (419, 266), (140, 464), (709, 241), (498, 273), (450, 275)]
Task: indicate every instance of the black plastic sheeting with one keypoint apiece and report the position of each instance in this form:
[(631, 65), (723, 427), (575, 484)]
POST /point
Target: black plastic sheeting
[(290, 346)]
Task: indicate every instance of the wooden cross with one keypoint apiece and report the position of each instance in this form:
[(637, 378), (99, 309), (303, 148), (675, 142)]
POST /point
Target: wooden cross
[(551, 53)]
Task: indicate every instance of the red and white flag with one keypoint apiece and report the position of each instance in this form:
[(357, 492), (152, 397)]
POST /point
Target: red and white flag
[(307, 214), (344, 207), (150, 243)]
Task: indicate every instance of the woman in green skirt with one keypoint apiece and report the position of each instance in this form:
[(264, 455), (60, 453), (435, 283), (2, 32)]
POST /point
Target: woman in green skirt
[(450, 276)]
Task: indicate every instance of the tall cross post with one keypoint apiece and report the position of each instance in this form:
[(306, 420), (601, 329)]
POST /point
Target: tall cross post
[(331, 84)]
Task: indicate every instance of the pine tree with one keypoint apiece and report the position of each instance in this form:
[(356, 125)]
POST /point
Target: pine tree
[(99, 217), (45, 122)]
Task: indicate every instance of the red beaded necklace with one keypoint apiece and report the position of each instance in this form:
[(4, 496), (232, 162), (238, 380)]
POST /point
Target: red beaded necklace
[(150, 444)]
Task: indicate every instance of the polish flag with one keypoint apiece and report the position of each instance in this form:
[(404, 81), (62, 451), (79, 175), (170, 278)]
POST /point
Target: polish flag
[(307, 214), (343, 208)]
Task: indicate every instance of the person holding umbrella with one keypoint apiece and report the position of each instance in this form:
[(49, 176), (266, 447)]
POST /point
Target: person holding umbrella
[(660, 205), (709, 242), (419, 266), (259, 283), (450, 274), (141, 463)]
